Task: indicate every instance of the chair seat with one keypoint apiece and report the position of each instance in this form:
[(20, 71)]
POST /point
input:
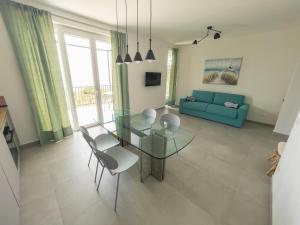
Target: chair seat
[(125, 158), (105, 141)]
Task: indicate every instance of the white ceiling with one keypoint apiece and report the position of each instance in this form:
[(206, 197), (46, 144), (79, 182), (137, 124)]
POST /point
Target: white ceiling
[(181, 20)]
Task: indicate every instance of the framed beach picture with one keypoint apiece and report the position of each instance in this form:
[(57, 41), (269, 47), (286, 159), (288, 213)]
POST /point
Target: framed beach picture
[(222, 71)]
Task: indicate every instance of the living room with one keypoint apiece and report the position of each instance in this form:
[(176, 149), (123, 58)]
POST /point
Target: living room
[(119, 112)]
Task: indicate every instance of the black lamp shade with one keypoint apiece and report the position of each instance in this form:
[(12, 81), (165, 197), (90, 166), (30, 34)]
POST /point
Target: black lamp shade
[(195, 42), (119, 60), (217, 36), (127, 59), (150, 56), (138, 58)]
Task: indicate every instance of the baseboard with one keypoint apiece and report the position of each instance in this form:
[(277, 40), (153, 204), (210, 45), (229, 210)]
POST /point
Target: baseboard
[(30, 144), (276, 132), (286, 136), (262, 123), (271, 201)]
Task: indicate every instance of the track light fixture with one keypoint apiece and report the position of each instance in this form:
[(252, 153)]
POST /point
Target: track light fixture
[(217, 34)]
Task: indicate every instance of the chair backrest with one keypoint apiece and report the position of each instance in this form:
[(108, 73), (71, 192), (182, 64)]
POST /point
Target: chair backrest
[(149, 113), (87, 137), (170, 121), (109, 162)]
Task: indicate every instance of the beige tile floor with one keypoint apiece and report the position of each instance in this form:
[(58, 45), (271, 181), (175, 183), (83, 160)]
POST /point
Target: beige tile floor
[(219, 179)]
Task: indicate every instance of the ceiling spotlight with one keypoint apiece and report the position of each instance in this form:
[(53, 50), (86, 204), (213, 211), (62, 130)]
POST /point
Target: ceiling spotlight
[(217, 36), (209, 29)]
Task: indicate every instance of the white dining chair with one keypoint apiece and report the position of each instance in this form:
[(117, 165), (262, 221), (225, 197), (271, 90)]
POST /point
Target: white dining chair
[(149, 116), (116, 160), (102, 141), (171, 123), (149, 113)]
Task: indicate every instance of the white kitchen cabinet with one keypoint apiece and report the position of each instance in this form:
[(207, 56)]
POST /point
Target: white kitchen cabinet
[(9, 173), (9, 209)]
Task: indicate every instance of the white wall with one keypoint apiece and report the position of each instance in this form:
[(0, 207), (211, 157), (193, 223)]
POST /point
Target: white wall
[(12, 87), (268, 63), (286, 182), (290, 106), (142, 97)]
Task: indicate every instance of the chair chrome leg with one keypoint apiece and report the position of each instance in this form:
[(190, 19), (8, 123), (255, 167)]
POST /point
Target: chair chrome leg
[(100, 178), (90, 158), (116, 199), (96, 171)]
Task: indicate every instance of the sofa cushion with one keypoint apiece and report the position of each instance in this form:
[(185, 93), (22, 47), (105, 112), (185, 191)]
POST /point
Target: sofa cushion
[(198, 106), (221, 98), (204, 96), (222, 111)]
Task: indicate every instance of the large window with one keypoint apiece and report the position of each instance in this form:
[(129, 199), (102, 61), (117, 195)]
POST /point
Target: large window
[(105, 78), (169, 64), (85, 60), (82, 78)]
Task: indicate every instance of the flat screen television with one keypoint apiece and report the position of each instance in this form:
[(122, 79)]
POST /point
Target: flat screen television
[(152, 79)]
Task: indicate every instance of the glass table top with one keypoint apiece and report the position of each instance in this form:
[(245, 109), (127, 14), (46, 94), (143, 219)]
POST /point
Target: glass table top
[(148, 135)]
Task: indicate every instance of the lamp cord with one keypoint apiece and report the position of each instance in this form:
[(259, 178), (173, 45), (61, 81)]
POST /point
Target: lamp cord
[(117, 27), (137, 24), (126, 28), (150, 23)]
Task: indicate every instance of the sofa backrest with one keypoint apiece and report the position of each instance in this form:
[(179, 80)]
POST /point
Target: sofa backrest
[(221, 98), (203, 96)]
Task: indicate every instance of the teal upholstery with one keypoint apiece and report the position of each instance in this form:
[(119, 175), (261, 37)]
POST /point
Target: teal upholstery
[(203, 96), (210, 105), (196, 105), (221, 98), (222, 111)]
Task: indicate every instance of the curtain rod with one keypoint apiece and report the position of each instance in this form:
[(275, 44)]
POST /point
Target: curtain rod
[(77, 21), (52, 9)]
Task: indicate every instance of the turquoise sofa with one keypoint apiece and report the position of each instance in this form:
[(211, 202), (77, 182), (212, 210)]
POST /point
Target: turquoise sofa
[(210, 105)]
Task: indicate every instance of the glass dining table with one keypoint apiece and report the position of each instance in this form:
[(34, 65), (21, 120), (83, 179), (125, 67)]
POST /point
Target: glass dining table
[(153, 141)]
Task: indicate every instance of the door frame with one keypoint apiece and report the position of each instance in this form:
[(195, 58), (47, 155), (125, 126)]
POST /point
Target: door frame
[(61, 30)]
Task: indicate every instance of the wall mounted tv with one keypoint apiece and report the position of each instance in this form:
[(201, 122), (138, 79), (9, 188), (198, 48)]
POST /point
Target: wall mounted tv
[(152, 79)]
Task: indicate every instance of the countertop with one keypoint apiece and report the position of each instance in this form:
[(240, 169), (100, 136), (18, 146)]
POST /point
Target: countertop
[(3, 111)]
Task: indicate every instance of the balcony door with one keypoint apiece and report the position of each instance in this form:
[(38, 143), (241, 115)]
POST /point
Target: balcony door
[(86, 61)]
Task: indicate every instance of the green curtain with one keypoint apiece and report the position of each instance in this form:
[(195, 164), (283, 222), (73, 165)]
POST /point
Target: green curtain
[(120, 83), (172, 78), (32, 35)]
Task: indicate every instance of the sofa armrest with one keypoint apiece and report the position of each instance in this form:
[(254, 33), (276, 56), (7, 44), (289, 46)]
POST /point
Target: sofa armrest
[(243, 111), (181, 101)]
